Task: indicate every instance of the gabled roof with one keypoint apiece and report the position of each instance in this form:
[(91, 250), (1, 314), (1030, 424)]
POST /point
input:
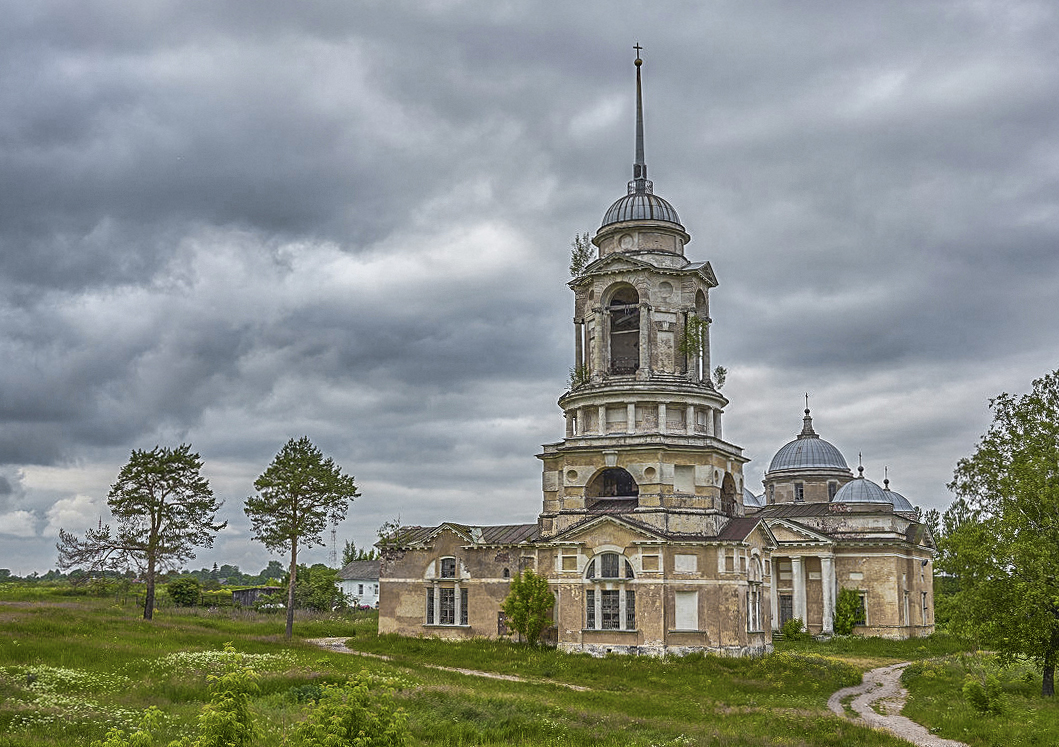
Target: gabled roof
[(504, 534), (366, 570), (587, 524)]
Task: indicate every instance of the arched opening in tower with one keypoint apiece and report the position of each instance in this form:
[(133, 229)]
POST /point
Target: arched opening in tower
[(728, 496), (611, 483), (624, 311)]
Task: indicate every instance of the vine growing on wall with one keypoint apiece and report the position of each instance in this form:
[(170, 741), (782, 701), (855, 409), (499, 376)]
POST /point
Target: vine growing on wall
[(578, 377)]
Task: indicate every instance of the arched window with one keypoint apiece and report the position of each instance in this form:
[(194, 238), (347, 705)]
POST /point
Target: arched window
[(753, 595), (610, 602), (446, 599), (613, 482), (624, 311)]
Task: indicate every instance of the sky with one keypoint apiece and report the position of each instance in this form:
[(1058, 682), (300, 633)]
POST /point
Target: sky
[(230, 224)]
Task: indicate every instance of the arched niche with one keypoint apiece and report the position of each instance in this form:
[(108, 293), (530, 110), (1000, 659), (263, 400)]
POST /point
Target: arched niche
[(623, 311)]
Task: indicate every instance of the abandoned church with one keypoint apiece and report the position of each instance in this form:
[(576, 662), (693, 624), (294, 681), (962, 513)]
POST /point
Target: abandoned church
[(648, 537)]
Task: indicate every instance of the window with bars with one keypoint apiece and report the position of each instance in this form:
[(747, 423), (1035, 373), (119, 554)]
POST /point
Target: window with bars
[(609, 603), (447, 607), (448, 567)]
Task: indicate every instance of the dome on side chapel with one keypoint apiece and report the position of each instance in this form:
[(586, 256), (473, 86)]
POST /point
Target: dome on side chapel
[(808, 451), (861, 490), (752, 501)]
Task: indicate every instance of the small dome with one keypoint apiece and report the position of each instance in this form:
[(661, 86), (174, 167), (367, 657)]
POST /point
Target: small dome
[(808, 451), (752, 501), (640, 206), (861, 490), (900, 502)]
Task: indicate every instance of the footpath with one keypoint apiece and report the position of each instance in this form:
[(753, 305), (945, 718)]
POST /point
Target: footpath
[(878, 700)]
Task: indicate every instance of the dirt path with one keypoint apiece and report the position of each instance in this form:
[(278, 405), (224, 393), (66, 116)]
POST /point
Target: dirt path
[(339, 645), (879, 699)]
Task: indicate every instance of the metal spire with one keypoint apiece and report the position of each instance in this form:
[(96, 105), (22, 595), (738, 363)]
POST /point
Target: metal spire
[(639, 184)]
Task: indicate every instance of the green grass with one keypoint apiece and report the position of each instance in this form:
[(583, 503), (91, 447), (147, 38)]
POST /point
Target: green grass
[(936, 700), (104, 666)]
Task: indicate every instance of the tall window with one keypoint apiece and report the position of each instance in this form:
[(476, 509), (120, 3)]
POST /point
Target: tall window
[(446, 600), (799, 491), (624, 310), (753, 596), (832, 488), (610, 602)]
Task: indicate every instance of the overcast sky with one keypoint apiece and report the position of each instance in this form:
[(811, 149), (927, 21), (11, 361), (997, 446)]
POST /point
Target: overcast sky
[(231, 223)]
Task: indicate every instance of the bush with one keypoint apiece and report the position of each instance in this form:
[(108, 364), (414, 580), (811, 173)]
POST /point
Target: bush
[(985, 697), (140, 738), (528, 605), (794, 630), (185, 591), (225, 720), (360, 713), (849, 611)]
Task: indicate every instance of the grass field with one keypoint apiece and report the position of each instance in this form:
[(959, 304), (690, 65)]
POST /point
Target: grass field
[(71, 668)]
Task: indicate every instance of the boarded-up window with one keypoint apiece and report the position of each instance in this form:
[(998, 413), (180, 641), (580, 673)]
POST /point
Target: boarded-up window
[(687, 610), (684, 478), (685, 563), (650, 562), (569, 562)]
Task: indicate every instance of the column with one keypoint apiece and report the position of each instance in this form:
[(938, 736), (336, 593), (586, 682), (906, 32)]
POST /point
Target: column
[(661, 417), (709, 421), (798, 581), (706, 372), (774, 597), (827, 580), (602, 419), (645, 339), (457, 605), (579, 422), (437, 605), (630, 417), (689, 419), (579, 350), (598, 332)]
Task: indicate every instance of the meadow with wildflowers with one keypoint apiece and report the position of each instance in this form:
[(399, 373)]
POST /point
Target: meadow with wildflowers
[(82, 670)]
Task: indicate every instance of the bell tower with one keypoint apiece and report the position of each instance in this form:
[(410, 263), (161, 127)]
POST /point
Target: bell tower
[(643, 417)]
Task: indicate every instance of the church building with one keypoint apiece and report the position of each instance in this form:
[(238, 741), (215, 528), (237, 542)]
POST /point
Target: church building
[(648, 536)]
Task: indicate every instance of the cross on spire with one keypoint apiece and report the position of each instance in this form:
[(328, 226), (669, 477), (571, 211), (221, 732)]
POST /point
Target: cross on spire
[(638, 49)]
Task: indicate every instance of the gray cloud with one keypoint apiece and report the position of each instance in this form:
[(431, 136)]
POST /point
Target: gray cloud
[(352, 220)]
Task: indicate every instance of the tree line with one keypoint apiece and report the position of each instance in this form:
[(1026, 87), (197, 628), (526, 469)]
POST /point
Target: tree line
[(163, 509)]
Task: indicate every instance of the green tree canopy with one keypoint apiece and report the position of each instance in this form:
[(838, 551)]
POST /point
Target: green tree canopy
[(351, 552), (298, 495), (528, 605), (164, 508), (1000, 536)]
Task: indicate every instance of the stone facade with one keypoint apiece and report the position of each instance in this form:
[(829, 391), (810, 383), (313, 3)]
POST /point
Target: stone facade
[(648, 537)]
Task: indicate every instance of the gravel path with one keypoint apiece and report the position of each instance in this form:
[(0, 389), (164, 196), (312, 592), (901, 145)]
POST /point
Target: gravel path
[(339, 645), (879, 700)]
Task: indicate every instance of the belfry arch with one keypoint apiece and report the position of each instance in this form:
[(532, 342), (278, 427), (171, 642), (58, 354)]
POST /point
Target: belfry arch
[(623, 312), (612, 482)]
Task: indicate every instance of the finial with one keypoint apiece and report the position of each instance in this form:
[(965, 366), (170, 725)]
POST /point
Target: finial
[(807, 422), (639, 184), (886, 477), (807, 403)]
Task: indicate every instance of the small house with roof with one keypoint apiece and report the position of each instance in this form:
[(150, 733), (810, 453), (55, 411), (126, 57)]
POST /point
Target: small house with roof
[(359, 582)]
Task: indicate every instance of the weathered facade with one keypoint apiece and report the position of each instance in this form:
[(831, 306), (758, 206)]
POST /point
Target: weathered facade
[(647, 535)]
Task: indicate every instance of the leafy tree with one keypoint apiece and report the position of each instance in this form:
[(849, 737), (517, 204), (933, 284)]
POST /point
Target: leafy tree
[(581, 251), (849, 610), (528, 605), (361, 713), (273, 571), (317, 588), (351, 553), (298, 495), (1000, 536), (164, 508), (185, 591)]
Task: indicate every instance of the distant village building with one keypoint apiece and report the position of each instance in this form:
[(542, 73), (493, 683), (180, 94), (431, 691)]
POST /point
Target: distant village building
[(648, 536), (249, 597), (359, 581)]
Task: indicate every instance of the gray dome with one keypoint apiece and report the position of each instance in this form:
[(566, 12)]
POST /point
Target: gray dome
[(640, 206), (808, 451), (752, 501), (862, 490), (900, 502)]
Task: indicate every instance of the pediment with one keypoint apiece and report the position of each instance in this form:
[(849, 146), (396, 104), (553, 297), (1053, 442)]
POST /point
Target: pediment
[(616, 263), (789, 532)]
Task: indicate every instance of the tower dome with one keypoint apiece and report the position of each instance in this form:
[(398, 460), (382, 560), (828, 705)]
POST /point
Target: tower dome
[(641, 203), (808, 451), (900, 502), (861, 490)]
